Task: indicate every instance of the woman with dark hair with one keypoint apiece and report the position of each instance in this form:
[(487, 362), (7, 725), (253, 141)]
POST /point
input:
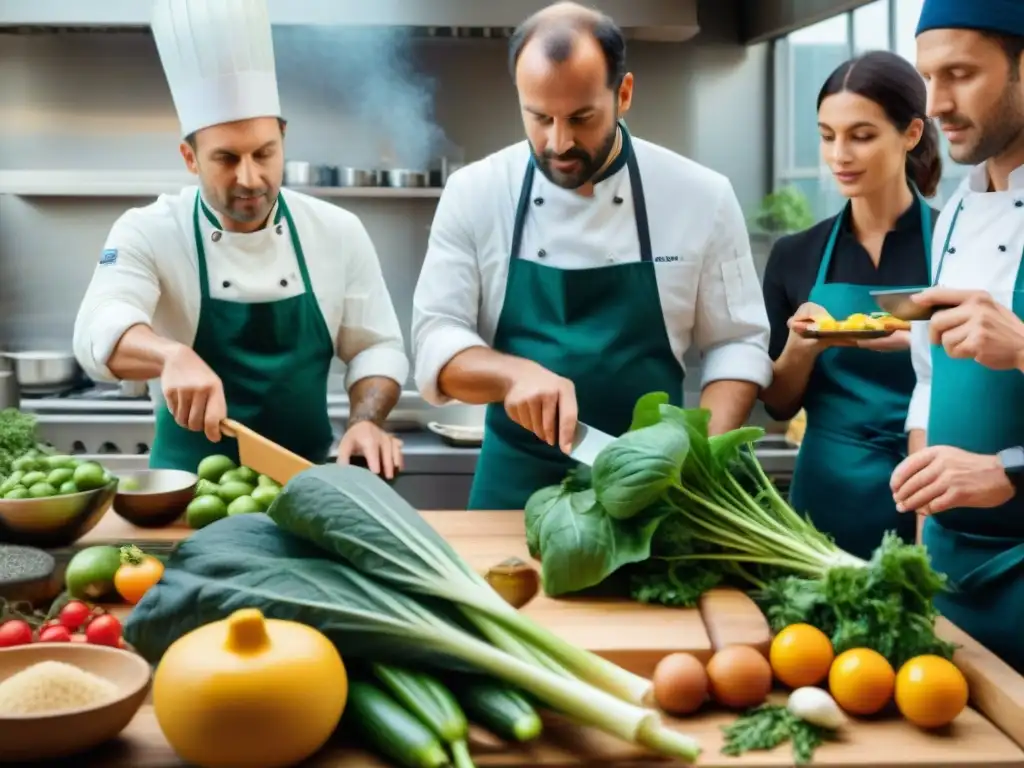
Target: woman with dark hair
[(884, 155)]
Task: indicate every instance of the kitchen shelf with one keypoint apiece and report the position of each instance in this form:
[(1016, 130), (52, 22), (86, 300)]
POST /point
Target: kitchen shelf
[(96, 183)]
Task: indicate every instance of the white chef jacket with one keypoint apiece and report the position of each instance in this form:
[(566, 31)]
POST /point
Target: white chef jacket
[(148, 273), (985, 255), (709, 290)]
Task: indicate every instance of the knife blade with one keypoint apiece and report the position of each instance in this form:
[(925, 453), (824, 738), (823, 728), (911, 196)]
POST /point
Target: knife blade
[(587, 442)]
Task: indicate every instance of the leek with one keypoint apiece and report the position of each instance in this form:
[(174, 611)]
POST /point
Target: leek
[(247, 561), (354, 515)]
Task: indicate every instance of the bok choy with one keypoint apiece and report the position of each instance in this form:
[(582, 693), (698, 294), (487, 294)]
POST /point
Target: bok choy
[(356, 516), (675, 511), (248, 561)]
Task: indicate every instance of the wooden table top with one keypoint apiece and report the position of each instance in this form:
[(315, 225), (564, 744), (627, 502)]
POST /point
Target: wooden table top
[(974, 739)]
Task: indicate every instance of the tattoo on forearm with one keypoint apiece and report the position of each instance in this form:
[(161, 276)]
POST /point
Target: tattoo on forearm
[(372, 400)]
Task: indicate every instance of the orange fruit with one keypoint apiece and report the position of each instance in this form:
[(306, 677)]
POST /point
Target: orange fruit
[(801, 655), (861, 681), (930, 691)]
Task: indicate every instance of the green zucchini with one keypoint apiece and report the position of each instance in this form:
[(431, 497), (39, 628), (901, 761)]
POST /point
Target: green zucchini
[(435, 706), (389, 729), (499, 708)]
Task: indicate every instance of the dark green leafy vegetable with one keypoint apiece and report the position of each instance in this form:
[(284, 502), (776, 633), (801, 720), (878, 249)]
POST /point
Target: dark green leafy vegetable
[(769, 725), (351, 514), (598, 543), (631, 474), (720, 519), (886, 606), (17, 437)]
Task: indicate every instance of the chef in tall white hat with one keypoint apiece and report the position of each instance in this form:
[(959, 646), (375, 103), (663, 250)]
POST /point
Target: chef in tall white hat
[(235, 295)]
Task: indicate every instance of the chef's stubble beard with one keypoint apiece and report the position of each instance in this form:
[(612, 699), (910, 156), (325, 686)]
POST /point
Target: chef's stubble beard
[(1003, 131), (591, 165), (216, 200)]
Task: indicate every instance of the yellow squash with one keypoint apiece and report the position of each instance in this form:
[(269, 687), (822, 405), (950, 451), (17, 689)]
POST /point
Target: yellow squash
[(249, 692)]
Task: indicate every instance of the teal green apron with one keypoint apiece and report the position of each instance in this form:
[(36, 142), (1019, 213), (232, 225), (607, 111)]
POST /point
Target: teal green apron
[(980, 410), (856, 404), (272, 357), (601, 328)]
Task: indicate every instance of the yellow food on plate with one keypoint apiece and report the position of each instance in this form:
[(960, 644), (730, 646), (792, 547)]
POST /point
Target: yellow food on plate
[(801, 655), (891, 323), (225, 681), (826, 324), (861, 681), (930, 691)]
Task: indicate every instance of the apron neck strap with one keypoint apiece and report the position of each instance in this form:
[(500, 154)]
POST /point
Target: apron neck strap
[(830, 246), (283, 212), (636, 186), (1018, 282)]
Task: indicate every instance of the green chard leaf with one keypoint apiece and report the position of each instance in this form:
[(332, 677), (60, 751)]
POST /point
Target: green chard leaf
[(725, 449), (633, 472), (581, 545), (246, 561), (537, 508), (647, 411)]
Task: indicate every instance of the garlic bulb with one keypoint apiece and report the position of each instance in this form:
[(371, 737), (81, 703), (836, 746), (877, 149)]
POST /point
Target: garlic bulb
[(816, 706)]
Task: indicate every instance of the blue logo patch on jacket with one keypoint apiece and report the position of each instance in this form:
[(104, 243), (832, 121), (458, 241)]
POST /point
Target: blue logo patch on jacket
[(108, 257)]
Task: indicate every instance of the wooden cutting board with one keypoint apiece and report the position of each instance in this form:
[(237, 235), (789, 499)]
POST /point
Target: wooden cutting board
[(629, 634)]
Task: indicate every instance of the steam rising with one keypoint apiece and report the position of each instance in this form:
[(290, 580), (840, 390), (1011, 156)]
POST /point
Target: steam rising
[(371, 107)]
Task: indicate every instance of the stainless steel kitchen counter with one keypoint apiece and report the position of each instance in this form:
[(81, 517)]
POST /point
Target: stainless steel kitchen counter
[(119, 432), (426, 453)]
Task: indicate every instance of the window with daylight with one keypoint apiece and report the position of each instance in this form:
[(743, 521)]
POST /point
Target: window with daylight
[(803, 60)]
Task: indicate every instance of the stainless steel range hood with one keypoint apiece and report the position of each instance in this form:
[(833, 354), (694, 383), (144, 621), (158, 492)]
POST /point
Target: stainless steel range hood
[(668, 20)]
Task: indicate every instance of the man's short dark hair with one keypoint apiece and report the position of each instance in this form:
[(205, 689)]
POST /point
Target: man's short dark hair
[(1013, 46), (191, 138), (559, 37)]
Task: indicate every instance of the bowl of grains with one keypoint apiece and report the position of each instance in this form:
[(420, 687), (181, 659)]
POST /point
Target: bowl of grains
[(61, 699)]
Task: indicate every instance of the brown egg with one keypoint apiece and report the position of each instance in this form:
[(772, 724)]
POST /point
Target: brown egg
[(680, 684), (739, 676)]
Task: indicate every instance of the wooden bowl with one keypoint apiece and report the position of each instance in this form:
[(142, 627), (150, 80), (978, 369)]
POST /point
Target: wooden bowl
[(34, 738), (154, 498)]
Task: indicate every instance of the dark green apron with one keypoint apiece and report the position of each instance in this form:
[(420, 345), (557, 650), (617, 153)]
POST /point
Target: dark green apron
[(856, 404), (601, 328), (980, 410), (273, 358)]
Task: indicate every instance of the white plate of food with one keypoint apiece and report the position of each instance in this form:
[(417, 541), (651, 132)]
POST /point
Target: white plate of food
[(458, 436)]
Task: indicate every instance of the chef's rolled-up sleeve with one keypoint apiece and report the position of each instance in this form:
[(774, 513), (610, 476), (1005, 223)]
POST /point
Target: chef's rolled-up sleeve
[(123, 293), (447, 297), (731, 326), (921, 357), (370, 339)]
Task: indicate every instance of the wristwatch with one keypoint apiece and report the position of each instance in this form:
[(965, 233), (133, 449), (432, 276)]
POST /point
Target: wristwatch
[(1012, 460)]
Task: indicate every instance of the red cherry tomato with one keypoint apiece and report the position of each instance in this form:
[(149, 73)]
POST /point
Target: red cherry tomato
[(104, 630), (55, 634), (74, 614), (15, 632)]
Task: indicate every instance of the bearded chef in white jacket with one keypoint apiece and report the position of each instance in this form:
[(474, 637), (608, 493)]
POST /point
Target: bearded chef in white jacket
[(237, 294), (567, 275)]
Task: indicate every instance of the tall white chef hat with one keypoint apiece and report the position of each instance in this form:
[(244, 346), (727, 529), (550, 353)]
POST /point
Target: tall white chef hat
[(218, 56)]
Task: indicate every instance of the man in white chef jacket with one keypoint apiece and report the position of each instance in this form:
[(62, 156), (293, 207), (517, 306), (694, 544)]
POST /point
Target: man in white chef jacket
[(966, 418), (567, 275), (237, 295)]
